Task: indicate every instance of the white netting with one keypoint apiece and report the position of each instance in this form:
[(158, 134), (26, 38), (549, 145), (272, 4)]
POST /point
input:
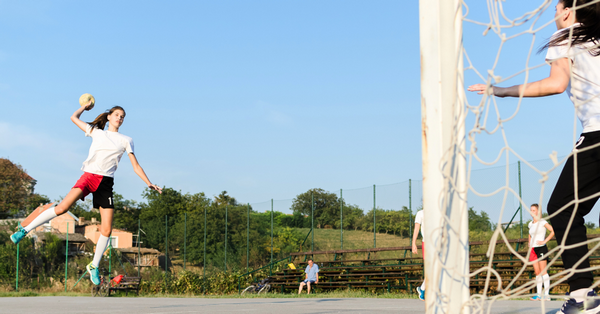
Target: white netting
[(500, 43)]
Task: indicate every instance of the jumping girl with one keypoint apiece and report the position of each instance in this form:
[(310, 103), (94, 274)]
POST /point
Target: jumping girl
[(573, 54), (105, 153), (539, 250)]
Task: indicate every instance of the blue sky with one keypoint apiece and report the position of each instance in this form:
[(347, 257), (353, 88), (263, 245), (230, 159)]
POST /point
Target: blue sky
[(264, 99)]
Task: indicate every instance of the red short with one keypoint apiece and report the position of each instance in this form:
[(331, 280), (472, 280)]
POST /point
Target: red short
[(532, 256), (423, 249), (100, 186)]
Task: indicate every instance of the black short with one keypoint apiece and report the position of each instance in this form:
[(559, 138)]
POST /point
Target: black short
[(103, 196), (541, 252)]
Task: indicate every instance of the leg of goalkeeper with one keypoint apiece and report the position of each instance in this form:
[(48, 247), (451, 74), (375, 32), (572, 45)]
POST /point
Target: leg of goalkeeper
[(588, 172)]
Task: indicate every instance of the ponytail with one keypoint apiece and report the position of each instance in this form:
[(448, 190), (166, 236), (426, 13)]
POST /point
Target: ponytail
[(588, 31), (102, 119)]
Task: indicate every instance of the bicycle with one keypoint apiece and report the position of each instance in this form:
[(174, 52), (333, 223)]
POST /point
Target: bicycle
[(263, 286), (101, 290)]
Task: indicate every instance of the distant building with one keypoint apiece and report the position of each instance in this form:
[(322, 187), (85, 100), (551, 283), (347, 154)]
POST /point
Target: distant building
[(91, 230)]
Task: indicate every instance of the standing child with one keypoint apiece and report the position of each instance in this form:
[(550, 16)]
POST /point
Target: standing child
[(539, 250), (105, 153), (418, 224)]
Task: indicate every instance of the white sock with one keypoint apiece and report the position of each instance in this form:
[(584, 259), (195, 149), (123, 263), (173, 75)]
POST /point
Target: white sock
[(539, 281), (100, 248), (546, 279), (423, 286), (579, 294), (43, 218)]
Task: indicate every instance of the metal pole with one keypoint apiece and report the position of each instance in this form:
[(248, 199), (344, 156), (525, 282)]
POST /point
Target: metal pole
[(341, 220), (166, 244), (271, 233), (248, 240), (184, 238), (109, 256), (410, 223), (204, 256), (444, 164), (312, 222), (138, 240), (17, 287), (520, 198), (67, 257), (374, 220), (226, 209)]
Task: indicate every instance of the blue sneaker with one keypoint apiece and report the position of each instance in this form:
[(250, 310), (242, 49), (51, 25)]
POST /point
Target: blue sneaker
[(421, 293), (94, 273), (535, 298), (590, 306), (18, 235)]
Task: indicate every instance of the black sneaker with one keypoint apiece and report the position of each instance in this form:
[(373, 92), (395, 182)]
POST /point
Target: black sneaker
[(590, 306)]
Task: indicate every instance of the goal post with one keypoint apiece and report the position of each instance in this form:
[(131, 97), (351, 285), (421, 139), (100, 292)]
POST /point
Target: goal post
[(445, 227)]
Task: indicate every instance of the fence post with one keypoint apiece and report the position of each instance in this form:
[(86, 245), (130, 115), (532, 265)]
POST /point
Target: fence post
[(17, 287), (184, 237), (67, 257), (248, 240), (520, 198), (166, 245), (271, 268), (410, 223), (138, 240), (204, 256), (226, 209), (312, 221), (341, 220), (374, 220)]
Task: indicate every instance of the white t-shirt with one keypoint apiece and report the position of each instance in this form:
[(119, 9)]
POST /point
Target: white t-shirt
[(106, 151), (419, 220), (584, 85), (537, 231)]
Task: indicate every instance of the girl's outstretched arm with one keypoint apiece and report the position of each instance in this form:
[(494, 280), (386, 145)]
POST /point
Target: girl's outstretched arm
[(140, 172), (75, 117), (556, 83)]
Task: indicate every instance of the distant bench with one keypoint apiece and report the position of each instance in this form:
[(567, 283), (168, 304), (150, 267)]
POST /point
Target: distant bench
[(127, 284)]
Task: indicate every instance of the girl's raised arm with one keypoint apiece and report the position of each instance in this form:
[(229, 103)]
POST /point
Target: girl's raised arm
[(75, 117)]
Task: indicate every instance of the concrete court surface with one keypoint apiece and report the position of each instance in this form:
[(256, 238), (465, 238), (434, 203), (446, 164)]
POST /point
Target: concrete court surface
[(65, 305)]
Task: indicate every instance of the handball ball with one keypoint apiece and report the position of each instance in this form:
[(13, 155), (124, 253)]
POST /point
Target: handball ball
[(85, 99)]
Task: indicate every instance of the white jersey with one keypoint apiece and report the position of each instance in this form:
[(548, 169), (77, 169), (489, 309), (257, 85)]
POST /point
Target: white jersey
[(419, 220), (106, 151), (584, 85), (537, 231)]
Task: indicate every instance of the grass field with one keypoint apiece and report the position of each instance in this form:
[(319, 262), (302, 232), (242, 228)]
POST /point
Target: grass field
[(329, 239)]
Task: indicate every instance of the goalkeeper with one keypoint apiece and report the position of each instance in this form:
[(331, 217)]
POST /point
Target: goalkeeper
[(574, 58)]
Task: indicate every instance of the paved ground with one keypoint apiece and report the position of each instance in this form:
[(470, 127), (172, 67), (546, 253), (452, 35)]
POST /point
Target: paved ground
[(62, 305)]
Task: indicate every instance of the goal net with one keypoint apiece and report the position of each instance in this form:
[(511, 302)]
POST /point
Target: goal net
[(493, 42)]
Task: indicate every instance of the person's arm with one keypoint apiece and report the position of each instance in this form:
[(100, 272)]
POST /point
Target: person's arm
[(556, 83), (414, 239), (140, 172), (317, 281), (75, 116), (529, 240), (550, 236)]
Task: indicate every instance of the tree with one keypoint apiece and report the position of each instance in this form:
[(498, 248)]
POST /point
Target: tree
[(479, 222), (327, 207), (15, 188)]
